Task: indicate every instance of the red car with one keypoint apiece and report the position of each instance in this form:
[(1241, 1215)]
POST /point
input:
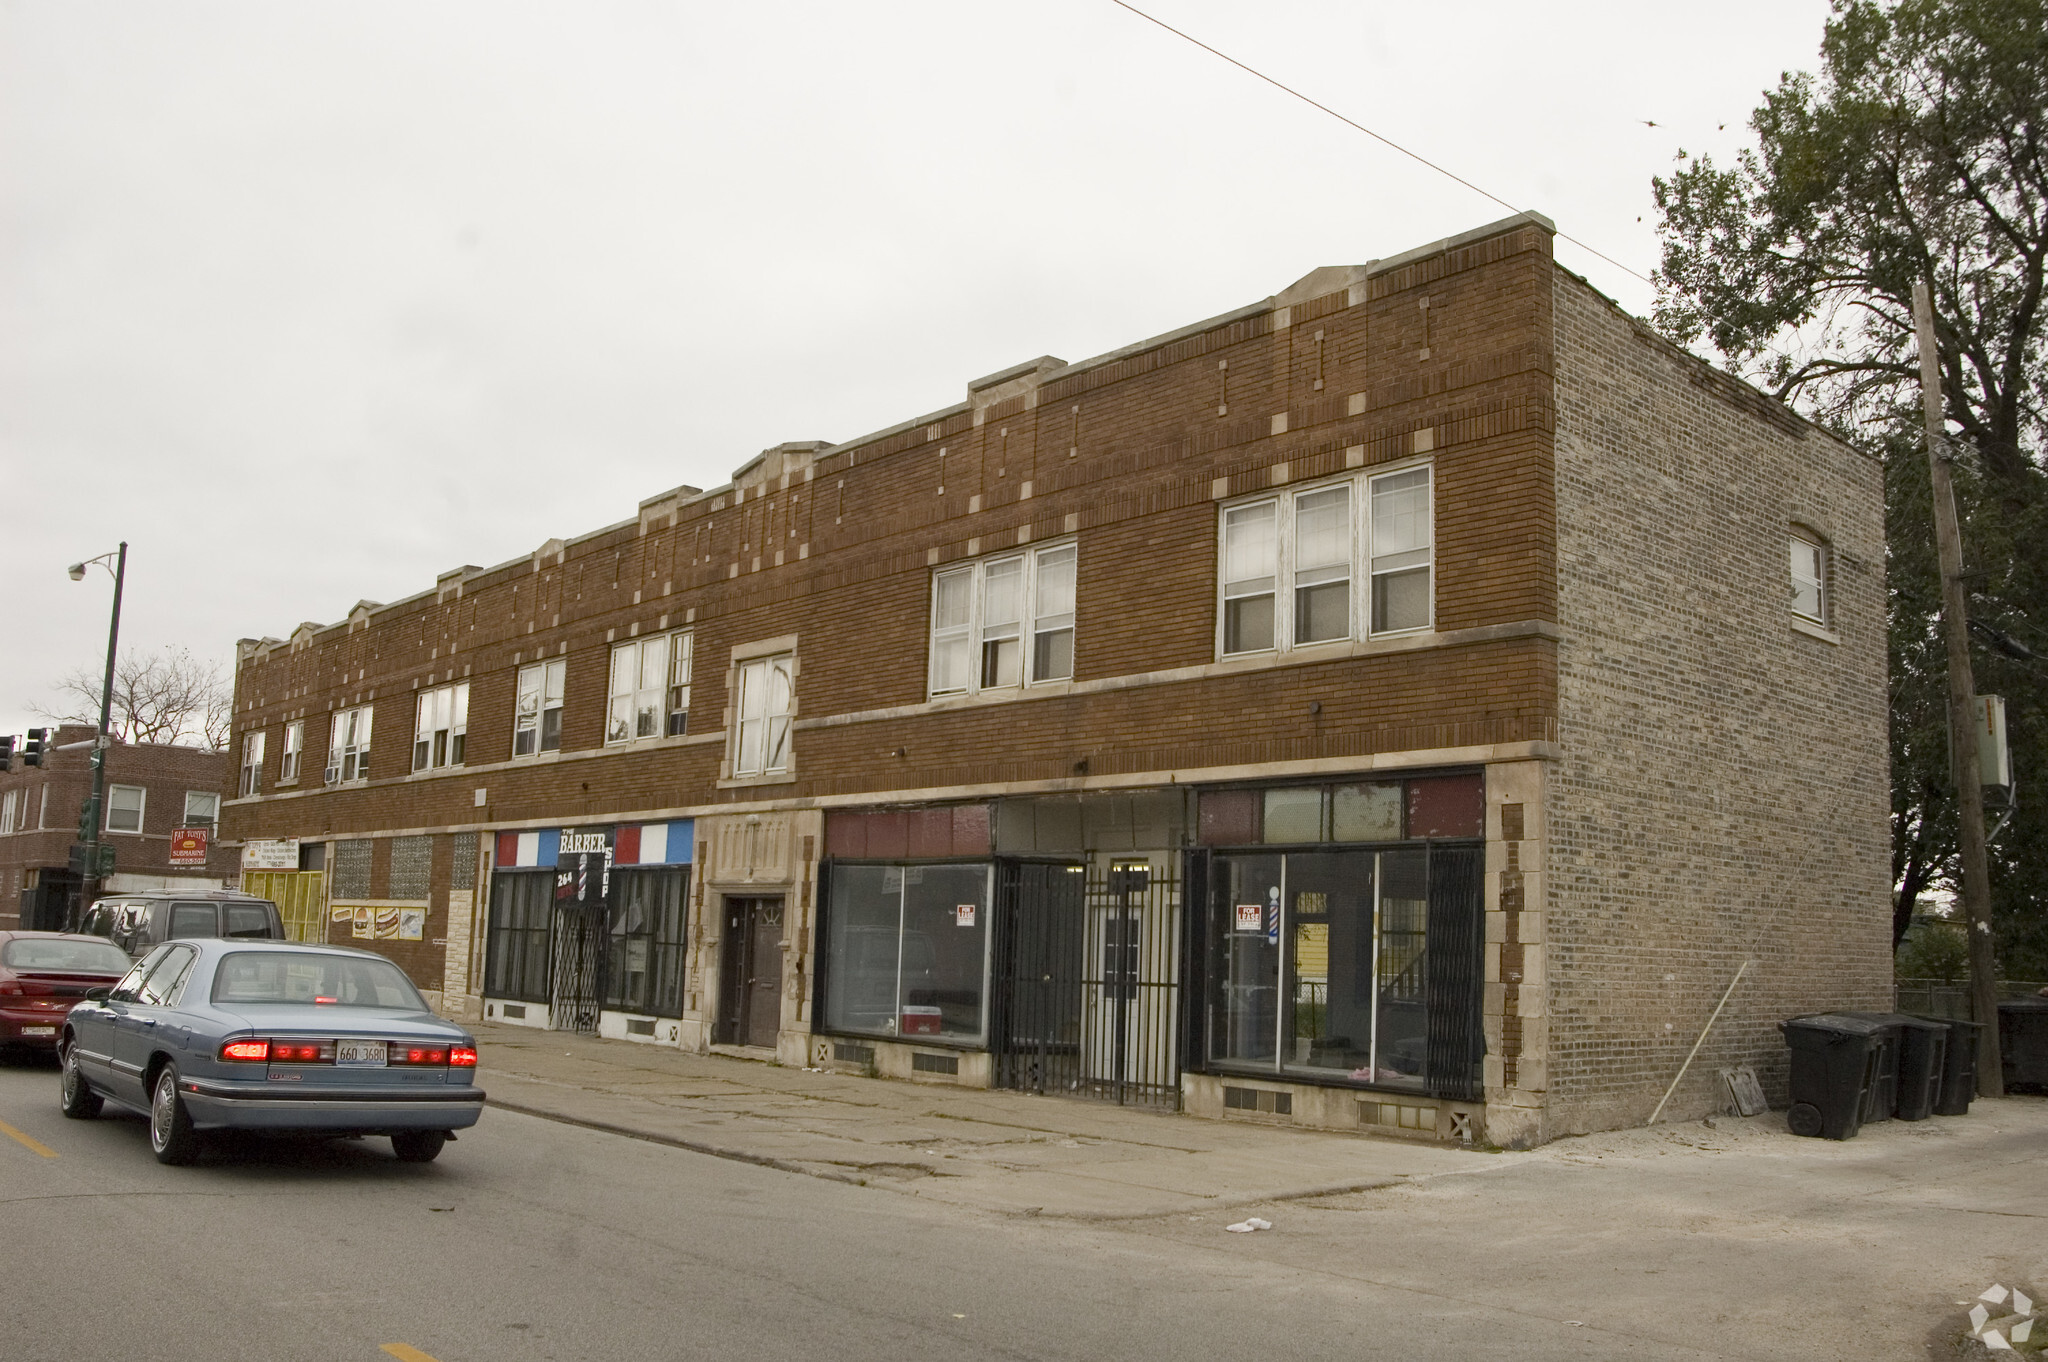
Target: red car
[(42, 974)]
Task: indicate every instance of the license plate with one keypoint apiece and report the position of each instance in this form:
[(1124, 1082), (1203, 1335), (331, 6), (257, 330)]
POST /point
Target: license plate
[(39, 1030), (359, 1054)]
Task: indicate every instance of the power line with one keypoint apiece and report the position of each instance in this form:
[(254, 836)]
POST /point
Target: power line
[(1413, 156)]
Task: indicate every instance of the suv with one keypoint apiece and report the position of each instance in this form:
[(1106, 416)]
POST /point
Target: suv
[(139, 923)]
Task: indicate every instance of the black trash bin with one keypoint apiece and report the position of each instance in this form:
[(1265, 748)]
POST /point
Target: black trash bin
[(1835, 1059), (2023, 1041), (1882, 1101), (1909, 1085), (1958, 1067)]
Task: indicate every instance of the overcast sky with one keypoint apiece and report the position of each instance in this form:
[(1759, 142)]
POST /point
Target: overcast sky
[(311, 302)]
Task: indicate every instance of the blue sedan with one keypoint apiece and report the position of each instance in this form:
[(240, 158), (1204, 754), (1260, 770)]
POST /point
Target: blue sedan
[(241, 1035)]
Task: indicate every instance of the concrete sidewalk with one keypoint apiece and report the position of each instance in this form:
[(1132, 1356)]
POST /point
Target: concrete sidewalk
[(997, 1151)]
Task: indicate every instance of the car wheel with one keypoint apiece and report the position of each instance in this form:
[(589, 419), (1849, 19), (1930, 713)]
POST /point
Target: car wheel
[(170, 1125), (418, 1146), (79, 1101)]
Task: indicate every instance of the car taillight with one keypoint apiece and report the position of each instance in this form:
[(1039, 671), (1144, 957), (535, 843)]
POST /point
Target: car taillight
[(417, 1054), (298, 1052), (246, 1051), (462, 1057), (15, 988)]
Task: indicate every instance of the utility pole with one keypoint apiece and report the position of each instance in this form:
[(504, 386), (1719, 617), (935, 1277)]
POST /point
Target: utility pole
[(96, 806), (1962, 710)]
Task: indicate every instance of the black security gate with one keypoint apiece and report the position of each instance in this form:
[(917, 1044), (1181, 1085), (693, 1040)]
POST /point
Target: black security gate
[(1087, 982), (582, 937), (576, 981)]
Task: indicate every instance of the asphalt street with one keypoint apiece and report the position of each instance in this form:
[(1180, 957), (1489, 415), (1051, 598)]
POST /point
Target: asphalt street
[(531, 1239)]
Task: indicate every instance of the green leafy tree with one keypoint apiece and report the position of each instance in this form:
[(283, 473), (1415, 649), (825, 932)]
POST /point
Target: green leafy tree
[(1915, 152)]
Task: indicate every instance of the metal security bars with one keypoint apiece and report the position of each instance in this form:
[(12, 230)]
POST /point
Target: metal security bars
[(1087, 982), (577, 981), (1456, 961)]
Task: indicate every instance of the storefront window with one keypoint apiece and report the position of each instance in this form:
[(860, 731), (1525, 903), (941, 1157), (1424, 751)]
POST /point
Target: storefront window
[(644, 970), (907, 951), (522, 911), (1321, 965)]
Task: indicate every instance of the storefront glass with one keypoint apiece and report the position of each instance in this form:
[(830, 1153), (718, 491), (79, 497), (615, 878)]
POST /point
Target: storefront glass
[(644, 967), (522, 911), (907, 951)]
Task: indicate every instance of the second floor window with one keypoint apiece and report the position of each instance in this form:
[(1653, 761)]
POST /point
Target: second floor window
[(766, 698), (252, 763), (1003, 622), (650, 689), (124, 808), (437, 736), (1809, 579), (1292, 565), (537, 714), (11, 811), (202, 809), (348, 745), (294, 743)]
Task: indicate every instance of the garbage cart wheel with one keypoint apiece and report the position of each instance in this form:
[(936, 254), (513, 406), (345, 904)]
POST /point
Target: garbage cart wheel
[(1803, 1119)]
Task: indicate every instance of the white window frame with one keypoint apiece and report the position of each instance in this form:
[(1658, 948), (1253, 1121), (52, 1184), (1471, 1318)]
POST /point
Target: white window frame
[(763, 715), (538, 691), (10, 811), (212, 818), (348, 745), (645, 705), (965, 650), (440, 728), (1362, 567), (1816, 550), (141, 807), (251, 781), (294, 744)]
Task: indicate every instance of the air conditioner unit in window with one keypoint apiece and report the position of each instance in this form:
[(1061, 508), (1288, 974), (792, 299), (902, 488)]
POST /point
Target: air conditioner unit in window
[(333, 775)]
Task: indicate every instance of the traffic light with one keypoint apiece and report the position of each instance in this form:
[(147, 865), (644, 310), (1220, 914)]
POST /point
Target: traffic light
[(32, 751), (6, 753)]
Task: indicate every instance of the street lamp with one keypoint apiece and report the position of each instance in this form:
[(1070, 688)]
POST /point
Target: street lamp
[(89, 878)]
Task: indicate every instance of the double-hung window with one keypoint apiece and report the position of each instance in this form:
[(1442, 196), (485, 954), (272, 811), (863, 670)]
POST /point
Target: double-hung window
[(765, 692), (10, 811), (1292, 565), (1003, 622), (294, 743), (252, 763), (650, 689), (1809, 579), (537, 715), (348, 745), (124, 808), (202, 809), (443, 724)]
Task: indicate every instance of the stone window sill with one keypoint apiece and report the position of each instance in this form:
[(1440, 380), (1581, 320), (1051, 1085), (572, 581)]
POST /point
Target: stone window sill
[(1812, 630)]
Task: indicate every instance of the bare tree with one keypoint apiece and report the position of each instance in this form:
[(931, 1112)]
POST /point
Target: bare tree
[(164, 697)]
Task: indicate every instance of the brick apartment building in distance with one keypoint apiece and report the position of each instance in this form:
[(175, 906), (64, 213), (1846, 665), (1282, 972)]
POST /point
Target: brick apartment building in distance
[(1404, 702), (151, 789)]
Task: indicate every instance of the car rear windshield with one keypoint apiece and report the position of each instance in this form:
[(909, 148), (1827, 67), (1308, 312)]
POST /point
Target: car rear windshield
[(75, 957), (248, 919), (299, 977)]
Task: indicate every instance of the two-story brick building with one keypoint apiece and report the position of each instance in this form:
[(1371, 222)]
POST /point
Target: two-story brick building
[(152, 789), (1405, 701)]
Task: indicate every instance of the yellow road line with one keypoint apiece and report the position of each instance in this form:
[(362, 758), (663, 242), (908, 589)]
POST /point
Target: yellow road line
[(39, 1147), (405, 1352)]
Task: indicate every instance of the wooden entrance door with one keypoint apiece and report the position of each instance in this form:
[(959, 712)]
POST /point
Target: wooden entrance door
[(753, 971)]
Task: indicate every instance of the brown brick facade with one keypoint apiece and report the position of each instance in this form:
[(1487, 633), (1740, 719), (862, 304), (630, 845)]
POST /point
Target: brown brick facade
[(1454, 356), (35, 853)]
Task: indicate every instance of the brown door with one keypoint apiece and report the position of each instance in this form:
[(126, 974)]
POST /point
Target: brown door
[(753, 971)]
